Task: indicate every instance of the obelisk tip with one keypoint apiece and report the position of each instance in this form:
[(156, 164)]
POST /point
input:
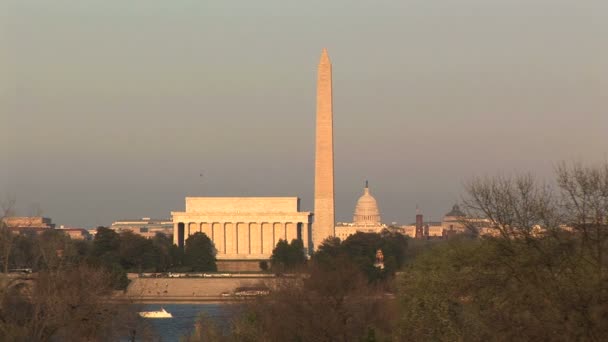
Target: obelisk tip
[(324, 57)]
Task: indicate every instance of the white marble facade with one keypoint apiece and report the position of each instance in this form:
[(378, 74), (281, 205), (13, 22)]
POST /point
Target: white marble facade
[(243, 228)]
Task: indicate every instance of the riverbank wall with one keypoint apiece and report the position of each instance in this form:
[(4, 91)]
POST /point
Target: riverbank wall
[(191, 290)]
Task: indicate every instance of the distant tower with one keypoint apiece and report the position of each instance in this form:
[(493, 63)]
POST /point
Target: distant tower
[(419, 224), (324, 221)]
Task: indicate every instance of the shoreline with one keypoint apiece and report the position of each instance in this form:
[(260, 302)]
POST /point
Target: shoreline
[(181, 300)]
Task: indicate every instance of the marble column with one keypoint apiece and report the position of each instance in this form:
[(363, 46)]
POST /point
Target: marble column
[(175, 233), (305, 236), (218, 237), (242, 238), (279, 232), (230, 231), (206, 229), (192, 228), (291, 231), (255, 238), (267, 238)]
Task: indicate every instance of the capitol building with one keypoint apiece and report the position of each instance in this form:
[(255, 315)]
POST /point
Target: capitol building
[(366, 218)]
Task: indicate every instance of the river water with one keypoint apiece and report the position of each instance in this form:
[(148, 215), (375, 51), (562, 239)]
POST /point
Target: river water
[(184, 316)]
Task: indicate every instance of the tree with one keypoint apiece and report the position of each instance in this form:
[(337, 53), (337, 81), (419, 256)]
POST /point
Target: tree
[(177, 257), (288, 256), (164, 249), (24, 253), (72, 302), (6, 235), (361, 249), (54, 249), (264, 265), (105, 253), (436, 290), (542, 276), (200, 253), (329, 247), (333, 303), (6, 245), (394, 247), (106, 243), (137, 253)]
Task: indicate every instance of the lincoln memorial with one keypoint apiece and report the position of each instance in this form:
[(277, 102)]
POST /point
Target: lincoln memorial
[(243, 227)]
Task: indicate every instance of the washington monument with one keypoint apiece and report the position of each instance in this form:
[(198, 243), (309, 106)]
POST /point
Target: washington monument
[(324, 222)]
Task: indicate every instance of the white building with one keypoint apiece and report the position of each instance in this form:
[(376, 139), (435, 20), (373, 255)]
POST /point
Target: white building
[(243, 228)]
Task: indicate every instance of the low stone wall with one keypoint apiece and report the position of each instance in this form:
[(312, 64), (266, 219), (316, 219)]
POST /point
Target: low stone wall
[(239, 265), (174, 290)]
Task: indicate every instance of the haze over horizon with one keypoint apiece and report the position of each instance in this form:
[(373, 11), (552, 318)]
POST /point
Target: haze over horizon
[(114, 109)]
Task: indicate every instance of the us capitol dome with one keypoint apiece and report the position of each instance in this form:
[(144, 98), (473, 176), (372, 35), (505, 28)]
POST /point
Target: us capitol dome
[(366, 211), (366, 218)]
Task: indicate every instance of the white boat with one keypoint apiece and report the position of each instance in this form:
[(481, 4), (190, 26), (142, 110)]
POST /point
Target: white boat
[(156, 314)]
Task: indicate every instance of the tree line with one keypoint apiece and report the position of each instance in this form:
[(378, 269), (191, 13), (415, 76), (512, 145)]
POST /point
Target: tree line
[(116, 253), (543, 276), (72, 294)]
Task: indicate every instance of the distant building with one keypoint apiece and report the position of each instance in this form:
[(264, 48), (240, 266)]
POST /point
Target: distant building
[(454, 222), (366, 218), (145, 227), (75, 233), (26, 224)]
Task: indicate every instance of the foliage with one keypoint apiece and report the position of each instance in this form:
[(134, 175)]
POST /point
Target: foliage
[(334, 302), (116, 253), (361, 248), (287, 256), (542, 277), (54, 249), (6, 246), (6, 236), (263, 265), (106, 242), (168, 254), (340, 296), (137, 252), (200, 253), (64, 304)]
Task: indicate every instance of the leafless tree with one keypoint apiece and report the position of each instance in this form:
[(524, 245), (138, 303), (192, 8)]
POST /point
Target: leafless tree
[(552, 243), (6, 235), (584, 203), (515, 206)]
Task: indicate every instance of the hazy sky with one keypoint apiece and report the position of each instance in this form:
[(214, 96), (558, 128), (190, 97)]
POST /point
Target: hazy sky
[(112, 109)]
